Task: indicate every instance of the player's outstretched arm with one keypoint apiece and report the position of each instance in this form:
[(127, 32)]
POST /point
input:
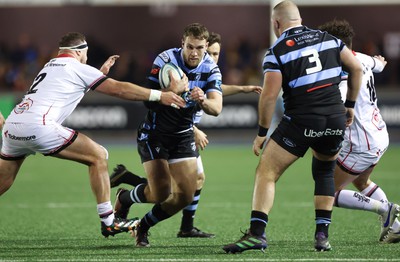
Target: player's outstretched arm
[(228, 90), (2, 120), (105, 68), (379, 63), (129, 91)]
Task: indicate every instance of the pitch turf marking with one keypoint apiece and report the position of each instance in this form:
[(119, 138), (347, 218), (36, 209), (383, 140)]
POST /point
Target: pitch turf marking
[(212, 260)]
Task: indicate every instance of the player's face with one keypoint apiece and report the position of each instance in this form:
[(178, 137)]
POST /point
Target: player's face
[(193, 50), (83, 56), (214, 50)]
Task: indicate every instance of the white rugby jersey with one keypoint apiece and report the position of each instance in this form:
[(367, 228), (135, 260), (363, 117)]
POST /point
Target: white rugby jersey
[(56, 91), (368, 129)]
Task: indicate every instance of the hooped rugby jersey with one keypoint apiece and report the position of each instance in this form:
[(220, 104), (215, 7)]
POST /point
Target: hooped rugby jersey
[(309, 61), (368, 130), (56, 91), (206, 76)]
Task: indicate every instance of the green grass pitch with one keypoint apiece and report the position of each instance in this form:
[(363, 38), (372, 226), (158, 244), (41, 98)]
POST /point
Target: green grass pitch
[(50, 214)]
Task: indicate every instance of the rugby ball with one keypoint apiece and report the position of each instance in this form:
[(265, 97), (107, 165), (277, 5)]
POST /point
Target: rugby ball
[(163, 75)]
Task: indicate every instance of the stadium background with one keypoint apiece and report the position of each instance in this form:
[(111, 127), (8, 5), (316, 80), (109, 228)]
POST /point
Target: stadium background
[(138, 30)]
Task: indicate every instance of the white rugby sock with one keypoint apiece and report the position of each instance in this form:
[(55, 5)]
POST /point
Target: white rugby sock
[(355, 200), (375, 192), (106, 213), (396, 225)]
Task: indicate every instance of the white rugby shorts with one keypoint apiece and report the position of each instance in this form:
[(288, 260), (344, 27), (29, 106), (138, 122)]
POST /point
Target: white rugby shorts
[(22, 139), (357, 162)]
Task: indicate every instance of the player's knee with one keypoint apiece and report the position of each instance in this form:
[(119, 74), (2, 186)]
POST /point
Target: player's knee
[(200, 180), (5, 185), (183, 199), (322, 172), (100, 158), (360, 184), (161, 194), (104, 153)]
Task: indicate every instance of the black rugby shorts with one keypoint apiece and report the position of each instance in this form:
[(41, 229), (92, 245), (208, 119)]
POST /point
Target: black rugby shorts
[(324, 134), (153, 145)]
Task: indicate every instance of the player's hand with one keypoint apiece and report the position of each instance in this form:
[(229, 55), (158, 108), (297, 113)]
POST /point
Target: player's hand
[(178, 86), (169, 98), (350, 116), (200, 138), (382, 59), (105, 68), (197, 94), (258, 144), (255, 89), (2, 121)]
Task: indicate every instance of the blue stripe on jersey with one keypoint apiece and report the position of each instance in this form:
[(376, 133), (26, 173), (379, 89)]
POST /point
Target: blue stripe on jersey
[(290, 56), (313, 78)]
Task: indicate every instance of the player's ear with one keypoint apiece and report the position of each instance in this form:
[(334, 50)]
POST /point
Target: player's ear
[(276, 23)]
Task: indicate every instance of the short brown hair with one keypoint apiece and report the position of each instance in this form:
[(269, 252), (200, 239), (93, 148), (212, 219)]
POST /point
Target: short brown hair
[(71, 39), (340, 29), (197, 31), (214, 38)]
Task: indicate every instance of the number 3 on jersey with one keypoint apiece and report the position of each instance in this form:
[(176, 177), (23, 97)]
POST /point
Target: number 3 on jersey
[(313, 58)]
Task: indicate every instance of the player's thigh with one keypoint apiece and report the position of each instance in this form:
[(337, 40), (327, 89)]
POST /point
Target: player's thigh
[(83, 150), (274, 160), (363, 180), (342, 178), (158, 174), (184, 174)]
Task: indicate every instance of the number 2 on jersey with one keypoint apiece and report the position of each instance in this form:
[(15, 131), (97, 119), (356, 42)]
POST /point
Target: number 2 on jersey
[(37, 80)]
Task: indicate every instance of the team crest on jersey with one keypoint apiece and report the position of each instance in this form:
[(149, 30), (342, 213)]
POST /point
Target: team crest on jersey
[(23, 106), (154, 71), (164, 56)]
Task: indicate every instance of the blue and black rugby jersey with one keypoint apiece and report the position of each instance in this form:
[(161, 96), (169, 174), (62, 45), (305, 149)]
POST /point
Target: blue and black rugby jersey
[(206, 76), (309, 61)]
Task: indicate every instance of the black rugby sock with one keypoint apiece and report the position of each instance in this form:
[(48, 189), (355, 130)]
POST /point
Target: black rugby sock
[(188, 213), (132, 179)]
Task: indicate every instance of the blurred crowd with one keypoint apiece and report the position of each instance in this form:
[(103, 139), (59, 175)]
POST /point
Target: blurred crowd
[(240, 63)]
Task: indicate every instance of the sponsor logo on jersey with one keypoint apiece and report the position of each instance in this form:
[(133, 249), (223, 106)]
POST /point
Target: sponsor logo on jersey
[(306, 38), (164, 56), (19, 138), (290, 42), (326, 132)]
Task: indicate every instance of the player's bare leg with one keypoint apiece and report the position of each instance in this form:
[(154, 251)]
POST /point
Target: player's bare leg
[(183, 184), (273, 162), (84, 150), (8, 172)]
